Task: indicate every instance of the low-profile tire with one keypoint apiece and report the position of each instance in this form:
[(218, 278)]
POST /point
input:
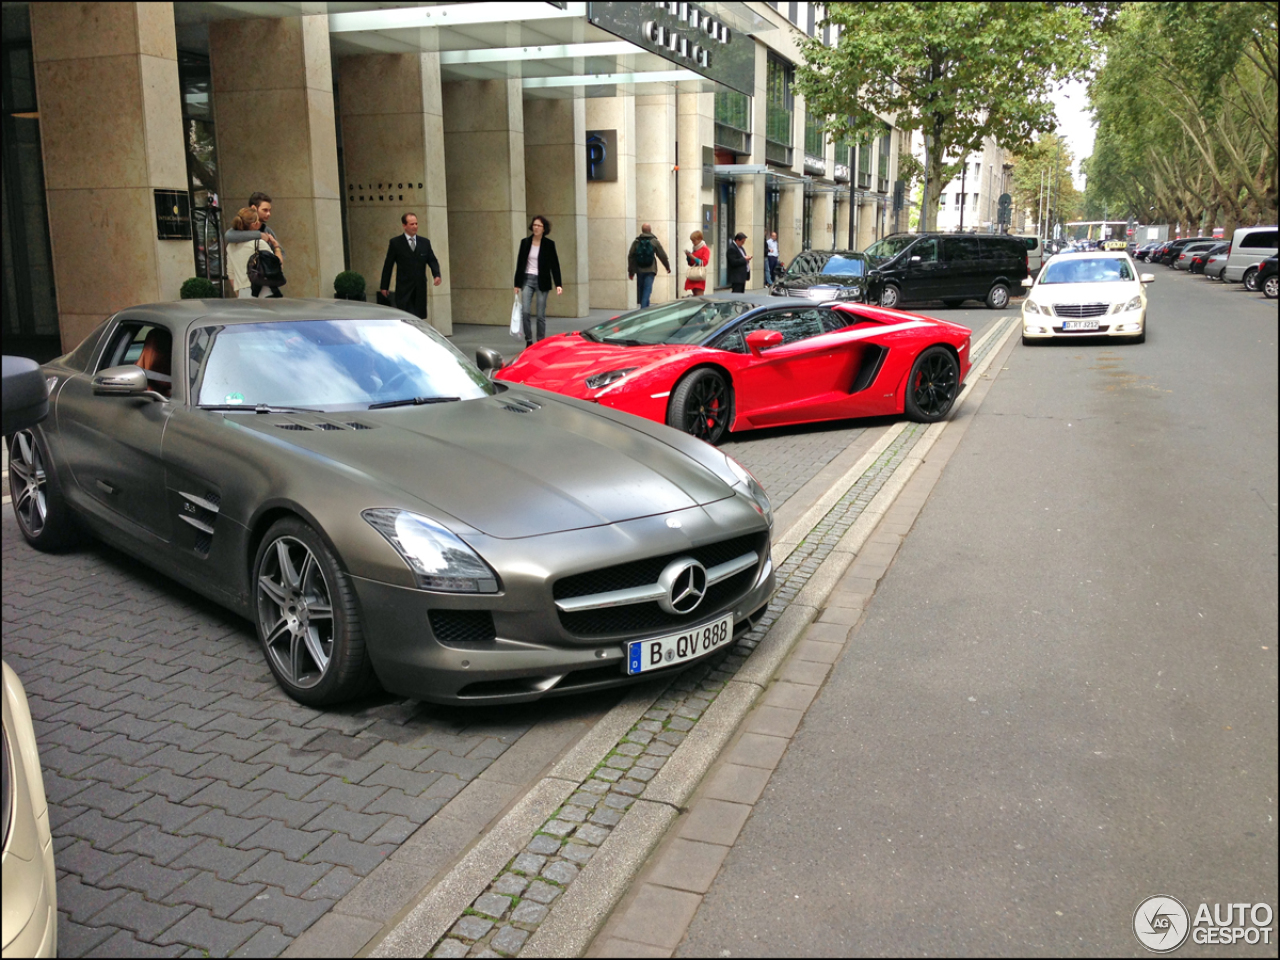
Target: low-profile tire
[(933, 385), (998, 297), (890, 296), (1271, 286), (702, 405), (1250, 280), (952, 303), (307, 617), (44, 519)]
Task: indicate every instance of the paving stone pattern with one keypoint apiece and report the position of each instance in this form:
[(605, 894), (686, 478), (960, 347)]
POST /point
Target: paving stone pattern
[(501, 919)]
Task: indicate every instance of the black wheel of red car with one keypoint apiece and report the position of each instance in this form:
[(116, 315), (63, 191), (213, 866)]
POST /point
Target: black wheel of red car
[(43, 516), (933, 385), (308, 623), (1251, 280), (702, 405)]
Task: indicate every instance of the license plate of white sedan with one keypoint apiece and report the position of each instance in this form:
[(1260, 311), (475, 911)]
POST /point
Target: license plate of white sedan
[(1079, 324), (667, 651)]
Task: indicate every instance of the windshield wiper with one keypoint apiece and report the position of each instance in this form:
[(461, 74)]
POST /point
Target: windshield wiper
[(255, 408), (624, 342), (586, 335), (411, 402)]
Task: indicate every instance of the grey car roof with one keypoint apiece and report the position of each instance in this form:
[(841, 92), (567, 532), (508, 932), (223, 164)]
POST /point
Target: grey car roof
[(184, 313)]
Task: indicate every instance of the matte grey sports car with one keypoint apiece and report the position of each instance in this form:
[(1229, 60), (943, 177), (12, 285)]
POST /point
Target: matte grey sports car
[(380, 508)]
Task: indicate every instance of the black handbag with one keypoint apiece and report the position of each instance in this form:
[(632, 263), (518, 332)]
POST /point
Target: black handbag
[(265, 269), (384, 300)]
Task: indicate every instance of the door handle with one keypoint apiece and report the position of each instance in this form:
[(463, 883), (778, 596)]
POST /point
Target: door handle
[(106, 487)]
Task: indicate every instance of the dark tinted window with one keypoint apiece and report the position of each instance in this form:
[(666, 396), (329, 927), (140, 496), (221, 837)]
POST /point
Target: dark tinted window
[(1002, 249), (926, 250), (1259, 240), (793, 324), (960, 248)]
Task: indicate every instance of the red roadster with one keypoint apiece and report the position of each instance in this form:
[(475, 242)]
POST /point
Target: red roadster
[(709, 365)]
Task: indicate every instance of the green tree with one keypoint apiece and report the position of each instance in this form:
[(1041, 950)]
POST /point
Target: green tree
[(1043, 191), (960, 72)]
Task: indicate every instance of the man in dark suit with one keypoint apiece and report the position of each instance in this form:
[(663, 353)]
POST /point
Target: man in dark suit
[(738, 262), (410, 254)]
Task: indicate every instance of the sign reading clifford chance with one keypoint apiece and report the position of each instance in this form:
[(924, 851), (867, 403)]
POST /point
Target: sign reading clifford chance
[(173, 215), (685, 34)]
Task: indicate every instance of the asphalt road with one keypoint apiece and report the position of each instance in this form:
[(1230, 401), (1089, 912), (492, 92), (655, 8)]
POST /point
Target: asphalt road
[(1062, 699)]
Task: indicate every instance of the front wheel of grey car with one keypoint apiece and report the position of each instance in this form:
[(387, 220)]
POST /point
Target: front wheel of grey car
[(307, 617), (43, 516)]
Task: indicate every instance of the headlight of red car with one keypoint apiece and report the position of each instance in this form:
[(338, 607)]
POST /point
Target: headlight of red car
[(610, 376)]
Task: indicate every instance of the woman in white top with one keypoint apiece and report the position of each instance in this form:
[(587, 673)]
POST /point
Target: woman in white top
[(536, 267), (238, 254)]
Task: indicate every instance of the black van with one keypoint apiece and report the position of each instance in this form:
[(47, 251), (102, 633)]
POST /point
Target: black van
[(951, 267)]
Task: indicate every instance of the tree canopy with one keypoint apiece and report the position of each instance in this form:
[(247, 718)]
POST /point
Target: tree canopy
[(1043, 191), (960, 72)]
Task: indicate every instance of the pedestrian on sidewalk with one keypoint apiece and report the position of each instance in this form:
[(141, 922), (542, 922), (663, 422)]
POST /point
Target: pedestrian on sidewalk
[(739, 263), (537, 267), (261, 204), (247, 224), (698, 257), (642, 263), (772, 262), (410, 254)]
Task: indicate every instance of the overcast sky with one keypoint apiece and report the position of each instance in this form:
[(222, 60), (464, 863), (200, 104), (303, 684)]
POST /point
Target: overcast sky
[(1075, 124)]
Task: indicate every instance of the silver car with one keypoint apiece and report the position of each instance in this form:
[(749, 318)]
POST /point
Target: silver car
[(383, 511)]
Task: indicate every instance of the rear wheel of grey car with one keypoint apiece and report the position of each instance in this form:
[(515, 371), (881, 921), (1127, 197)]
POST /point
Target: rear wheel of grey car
[(933, 385), (42, 513), (307, 617), (890, 296), (1251, 280), (1271, 286), (702, 405), (998, 298)]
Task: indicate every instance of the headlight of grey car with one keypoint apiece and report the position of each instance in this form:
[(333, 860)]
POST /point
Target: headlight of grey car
[(437, 556), (750, 487)]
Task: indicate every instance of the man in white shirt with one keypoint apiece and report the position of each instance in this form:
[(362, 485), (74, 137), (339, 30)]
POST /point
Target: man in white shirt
[(772, 265)]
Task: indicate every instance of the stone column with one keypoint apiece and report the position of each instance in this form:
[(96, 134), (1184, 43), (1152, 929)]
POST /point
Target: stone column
[(868, 218), (695, 129), (273, 102), (555, 183), (656, 187), (611, 207), (484, 169), (393, 158), (107, 73), (823, 221), (790, 220), (842, 223), (749, 203)]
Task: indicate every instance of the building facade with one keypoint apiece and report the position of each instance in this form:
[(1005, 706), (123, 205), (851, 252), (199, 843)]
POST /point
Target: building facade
[(135, 131), (970, 202)]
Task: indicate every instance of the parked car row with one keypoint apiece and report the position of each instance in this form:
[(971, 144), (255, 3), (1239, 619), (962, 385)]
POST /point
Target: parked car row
[(1239, 260)]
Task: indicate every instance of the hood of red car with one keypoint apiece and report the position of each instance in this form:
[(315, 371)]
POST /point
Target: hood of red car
[(563, 363)]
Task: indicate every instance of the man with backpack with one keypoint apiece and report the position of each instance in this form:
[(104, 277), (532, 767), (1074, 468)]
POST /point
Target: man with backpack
[(642, 262)]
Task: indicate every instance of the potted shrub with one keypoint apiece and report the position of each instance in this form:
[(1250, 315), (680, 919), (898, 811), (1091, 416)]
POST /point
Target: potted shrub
[(348, 285), (198, 288)]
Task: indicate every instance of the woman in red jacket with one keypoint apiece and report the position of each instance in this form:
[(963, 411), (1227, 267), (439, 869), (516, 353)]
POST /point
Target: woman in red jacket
[(698, 260)]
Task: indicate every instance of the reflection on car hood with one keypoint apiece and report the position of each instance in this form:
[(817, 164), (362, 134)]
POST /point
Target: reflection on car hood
[(806, 280), (519, 464), (563, 363), (1112, 292)]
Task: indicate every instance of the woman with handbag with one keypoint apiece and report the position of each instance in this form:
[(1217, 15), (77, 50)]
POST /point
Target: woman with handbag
[(697, 259), (536, 267), (238, 253)]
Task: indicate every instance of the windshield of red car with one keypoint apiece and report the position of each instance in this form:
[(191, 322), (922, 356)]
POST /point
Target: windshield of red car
[(685, 321), (329, 363)]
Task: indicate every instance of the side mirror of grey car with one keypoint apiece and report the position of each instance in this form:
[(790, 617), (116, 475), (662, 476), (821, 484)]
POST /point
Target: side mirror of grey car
[(26, 395), (489, 360), (127, 380)]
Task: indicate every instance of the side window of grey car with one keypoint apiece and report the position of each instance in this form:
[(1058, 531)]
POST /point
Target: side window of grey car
[(1259, 240)]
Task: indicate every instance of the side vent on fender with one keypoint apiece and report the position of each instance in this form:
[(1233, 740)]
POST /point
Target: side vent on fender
[(872, 361), (200, 512)]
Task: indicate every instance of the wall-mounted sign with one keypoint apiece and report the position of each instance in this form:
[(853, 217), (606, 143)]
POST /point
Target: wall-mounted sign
[(708, 168), (384, 191), (173, 215), (685, 34), (602, 154)]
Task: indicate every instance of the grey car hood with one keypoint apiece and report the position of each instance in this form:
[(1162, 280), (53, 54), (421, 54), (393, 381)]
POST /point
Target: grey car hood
[(504, 469)]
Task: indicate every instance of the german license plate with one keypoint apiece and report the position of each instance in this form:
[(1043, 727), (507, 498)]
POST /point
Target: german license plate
[(1079, 324), (643, 655)]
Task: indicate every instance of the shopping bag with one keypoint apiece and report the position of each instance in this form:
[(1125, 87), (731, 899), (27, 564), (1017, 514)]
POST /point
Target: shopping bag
[(517, 318)]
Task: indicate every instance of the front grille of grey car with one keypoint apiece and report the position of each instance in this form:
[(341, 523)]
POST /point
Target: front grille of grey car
[(1078, 311), (463, 628), (646, 616)]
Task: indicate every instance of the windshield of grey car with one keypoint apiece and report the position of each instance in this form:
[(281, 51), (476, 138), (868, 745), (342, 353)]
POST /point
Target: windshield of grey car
[(1089, 270), (845, 266), (685, 321), (330, 363)]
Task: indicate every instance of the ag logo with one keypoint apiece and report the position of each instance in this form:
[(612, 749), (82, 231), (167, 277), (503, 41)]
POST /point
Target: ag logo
[(1161, 924)]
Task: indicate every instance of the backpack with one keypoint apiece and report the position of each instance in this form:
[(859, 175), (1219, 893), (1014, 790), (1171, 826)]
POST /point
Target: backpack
[(644, 251)]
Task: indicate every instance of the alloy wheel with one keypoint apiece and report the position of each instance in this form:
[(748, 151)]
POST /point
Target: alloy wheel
[(28, 483), (1271, 286), (295, 610), (934, 387), (708, 406)]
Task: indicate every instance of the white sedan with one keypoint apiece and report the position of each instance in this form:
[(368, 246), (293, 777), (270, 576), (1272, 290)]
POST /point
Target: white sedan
[(1087, 294)]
